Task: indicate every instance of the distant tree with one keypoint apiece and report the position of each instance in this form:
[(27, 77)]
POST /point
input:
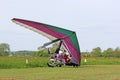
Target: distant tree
[(116, 52), (4, 49), (85, 54), (42, 53), (96, 52), (108, 52), (24, 53)]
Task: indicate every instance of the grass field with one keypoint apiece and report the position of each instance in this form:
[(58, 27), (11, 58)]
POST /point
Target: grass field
[(19, 62), (84, 72), (14, 68)]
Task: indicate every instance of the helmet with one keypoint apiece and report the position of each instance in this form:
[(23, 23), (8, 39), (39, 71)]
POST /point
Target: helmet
[(60, 52)]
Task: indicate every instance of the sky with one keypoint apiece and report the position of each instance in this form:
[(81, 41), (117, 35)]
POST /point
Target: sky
[(96, 22)]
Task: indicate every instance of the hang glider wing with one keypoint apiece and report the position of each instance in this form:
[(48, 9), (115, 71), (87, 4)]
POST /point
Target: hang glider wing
[(69, 38)]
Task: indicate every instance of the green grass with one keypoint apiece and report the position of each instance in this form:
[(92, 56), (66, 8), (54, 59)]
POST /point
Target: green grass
[(19, 62), (85, 72), (15, 68), (101, 61)]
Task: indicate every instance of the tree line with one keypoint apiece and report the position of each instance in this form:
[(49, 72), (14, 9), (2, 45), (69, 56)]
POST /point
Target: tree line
[(96, 52), (4, 49)]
